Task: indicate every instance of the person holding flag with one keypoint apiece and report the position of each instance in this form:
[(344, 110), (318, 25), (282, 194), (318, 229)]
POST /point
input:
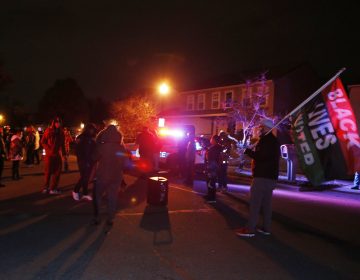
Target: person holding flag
[(265, 170)]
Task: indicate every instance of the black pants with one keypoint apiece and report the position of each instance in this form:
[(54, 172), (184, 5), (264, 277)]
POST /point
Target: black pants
[(29, 155), (211, 184), (85, 173), (36, 156), (112, 191), (190, 166), (15, 169), (222, 176)]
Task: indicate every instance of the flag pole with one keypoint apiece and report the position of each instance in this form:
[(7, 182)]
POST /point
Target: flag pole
[(309, 98)]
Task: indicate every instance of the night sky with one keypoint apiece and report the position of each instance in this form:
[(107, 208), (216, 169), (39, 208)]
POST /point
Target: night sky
[(112, 47)]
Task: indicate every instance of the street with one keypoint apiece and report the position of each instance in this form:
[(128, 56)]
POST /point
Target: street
[(315, 235)]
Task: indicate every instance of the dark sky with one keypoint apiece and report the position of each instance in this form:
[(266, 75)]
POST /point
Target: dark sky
[(112, 47)]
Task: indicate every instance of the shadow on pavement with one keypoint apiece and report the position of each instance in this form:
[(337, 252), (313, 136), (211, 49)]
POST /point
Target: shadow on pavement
[(37, 227), (353, 251), (79, 265), (296, 263), (156, 219), (231, 216)]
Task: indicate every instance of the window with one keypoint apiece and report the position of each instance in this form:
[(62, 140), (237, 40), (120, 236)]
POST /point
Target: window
[(215, 100), (228, 99), (190, 102), (201, 101)]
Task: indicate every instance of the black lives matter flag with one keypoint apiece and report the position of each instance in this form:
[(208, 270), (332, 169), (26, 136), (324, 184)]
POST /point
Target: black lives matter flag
[(326, 136)]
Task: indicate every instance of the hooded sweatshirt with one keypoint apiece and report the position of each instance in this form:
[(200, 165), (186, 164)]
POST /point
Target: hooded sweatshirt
[(111, 155), (53, 141)]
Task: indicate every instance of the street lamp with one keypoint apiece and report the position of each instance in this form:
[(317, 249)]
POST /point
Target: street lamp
[(1, 118), (164, 88)]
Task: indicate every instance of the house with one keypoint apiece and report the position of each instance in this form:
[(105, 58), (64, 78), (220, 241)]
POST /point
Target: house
[(231, 107), (210, 110)]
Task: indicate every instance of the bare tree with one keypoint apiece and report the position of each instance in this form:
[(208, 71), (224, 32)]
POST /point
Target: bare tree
[(250, 110)]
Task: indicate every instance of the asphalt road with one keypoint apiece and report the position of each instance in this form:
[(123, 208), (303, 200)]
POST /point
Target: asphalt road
[(315, 235)]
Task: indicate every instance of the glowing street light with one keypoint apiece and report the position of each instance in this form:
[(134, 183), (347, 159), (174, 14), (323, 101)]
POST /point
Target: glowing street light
[(164, 88), (1, 118)]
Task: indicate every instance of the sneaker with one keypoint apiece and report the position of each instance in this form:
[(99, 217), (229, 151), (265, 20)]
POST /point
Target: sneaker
[(211, 201), (87, 197), (45, 191), (262, 231), (56, 191), (76, 196), (355, 188), (244, 232)]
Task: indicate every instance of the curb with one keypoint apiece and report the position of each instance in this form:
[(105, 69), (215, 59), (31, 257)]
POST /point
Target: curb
[(342, 187)]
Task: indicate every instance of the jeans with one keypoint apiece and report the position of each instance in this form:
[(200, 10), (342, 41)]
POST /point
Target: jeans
[(260, 202)]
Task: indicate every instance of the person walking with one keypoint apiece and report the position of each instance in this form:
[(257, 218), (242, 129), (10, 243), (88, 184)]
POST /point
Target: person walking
[(85, 147), (15, 153), (111, 158), (265, 170), (2, 155), (212, 168), (53, 142)]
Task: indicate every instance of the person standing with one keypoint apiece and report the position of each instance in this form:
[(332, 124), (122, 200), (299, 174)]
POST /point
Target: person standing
[(37, 147), (265, 170), (111, 158), (68, 141), (16, 154), (190, 160), (147, 148), (226, 142), (53, 142), (85, 149), (29, 146), (212, 167), (2, 155)]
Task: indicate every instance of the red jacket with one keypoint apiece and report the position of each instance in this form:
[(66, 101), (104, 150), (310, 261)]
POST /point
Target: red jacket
[(53, 141)]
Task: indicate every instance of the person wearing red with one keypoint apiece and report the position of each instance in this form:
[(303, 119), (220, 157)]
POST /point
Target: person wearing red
[(68, 141), (53, 141)]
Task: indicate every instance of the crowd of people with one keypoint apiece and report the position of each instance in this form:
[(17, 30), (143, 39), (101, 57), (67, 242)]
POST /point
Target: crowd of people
[(23, 145), (102, 159)]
